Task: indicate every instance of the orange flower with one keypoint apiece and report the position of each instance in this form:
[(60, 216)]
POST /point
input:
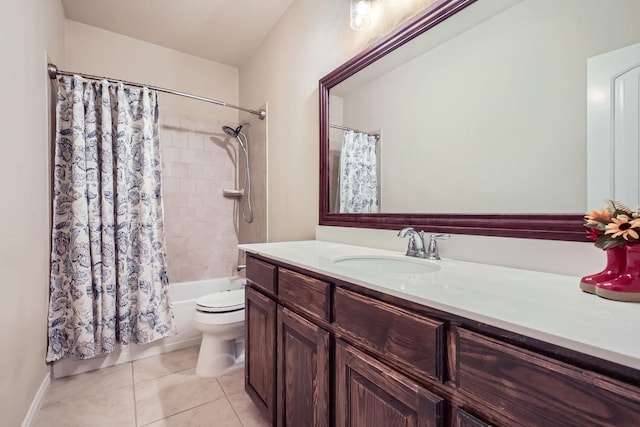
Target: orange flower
[(623, 226), (598, 217)]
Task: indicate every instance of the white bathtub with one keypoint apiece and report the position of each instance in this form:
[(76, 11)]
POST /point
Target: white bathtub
[(183, 299)]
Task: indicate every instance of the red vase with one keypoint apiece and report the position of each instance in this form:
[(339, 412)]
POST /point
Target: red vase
[(625, 287), (616, 263)]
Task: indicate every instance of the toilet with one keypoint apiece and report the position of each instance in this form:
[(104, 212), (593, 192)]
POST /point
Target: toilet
[(220, 318)]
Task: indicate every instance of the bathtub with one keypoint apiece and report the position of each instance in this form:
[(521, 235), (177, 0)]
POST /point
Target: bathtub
[(183, 298)]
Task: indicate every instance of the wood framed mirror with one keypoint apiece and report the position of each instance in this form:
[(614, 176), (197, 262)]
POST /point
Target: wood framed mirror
[(551, 224)]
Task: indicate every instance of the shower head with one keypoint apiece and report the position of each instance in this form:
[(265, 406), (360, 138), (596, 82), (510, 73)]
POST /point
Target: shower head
[(237, 134), (231, 131)]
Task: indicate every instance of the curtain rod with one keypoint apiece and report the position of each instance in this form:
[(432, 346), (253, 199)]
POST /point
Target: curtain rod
[(54, 72), (377, 136)]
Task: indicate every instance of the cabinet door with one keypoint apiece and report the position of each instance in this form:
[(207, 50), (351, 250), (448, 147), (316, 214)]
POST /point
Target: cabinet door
[(462, 418), (370, 394), (303, 372), (260, 346)]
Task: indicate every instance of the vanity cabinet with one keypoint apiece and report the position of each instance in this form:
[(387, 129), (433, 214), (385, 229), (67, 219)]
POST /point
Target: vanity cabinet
[(322, 352)]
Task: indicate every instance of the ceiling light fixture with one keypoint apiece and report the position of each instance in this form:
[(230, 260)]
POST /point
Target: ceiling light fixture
[(360, 14)]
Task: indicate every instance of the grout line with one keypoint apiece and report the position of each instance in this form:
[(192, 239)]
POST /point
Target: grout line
[(233, 408), (135, 406), (183, 411)]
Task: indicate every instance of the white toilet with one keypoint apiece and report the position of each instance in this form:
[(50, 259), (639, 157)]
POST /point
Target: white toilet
[(220, 318)]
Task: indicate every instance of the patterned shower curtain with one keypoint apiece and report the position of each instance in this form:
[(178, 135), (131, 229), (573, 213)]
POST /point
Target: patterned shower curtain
[(358, 173), (108, 265)]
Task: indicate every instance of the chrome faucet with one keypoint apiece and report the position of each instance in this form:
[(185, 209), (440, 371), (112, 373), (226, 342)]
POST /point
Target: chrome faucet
[(432, 250), (416, 242)]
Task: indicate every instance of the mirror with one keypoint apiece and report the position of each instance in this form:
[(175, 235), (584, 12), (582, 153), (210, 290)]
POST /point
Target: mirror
[(480, 108)]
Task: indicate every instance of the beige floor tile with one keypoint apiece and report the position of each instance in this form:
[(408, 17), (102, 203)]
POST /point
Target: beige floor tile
[(108, 409), (233, 382), (164, 364), (87, 384), (218, 413), (247, 411), (168, 395)]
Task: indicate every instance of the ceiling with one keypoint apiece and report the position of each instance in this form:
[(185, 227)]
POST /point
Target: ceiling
[(226, 31)]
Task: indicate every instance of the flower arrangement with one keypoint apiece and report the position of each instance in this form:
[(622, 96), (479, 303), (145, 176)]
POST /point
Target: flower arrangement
[(614, 225)]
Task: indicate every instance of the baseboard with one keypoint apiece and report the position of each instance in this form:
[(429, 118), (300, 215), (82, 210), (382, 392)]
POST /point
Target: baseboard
[(36, 403), (66, 367)]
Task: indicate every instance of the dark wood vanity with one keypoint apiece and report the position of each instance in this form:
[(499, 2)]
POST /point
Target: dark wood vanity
[(323, 352)]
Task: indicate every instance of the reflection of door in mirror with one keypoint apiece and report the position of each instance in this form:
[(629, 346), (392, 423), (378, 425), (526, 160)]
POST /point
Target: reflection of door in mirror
[(613, 118)]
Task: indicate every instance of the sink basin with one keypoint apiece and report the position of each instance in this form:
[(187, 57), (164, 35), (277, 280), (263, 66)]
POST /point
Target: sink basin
[(387, 264)]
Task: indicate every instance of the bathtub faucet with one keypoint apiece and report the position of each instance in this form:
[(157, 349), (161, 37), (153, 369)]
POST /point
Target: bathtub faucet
[(240, 267)]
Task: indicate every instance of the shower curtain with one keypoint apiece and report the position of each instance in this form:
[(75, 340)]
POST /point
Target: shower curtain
[(108, 280), (358, 173)]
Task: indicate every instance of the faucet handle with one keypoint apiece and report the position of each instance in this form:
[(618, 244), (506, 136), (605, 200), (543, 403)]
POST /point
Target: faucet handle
[(439, 236), (432, 250)]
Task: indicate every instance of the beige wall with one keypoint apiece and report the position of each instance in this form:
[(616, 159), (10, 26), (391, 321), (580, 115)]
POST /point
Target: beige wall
[(28, 29), (201, 225), (95, 51), (312, 38)]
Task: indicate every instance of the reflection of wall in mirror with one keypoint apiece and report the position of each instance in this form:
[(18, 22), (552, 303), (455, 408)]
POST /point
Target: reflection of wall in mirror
[(493, 124)]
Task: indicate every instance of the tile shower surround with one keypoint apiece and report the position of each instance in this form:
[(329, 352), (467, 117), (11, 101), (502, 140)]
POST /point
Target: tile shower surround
[(200, 224), (157, 391)]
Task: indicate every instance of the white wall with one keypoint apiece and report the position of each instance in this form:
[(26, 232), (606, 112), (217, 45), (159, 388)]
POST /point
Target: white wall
[(28, 29), (311, 39)]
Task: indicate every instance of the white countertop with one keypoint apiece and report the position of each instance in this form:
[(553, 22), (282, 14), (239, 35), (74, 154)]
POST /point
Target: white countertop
[(545, 306)]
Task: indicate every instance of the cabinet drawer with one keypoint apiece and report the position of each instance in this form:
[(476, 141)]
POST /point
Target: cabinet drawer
[(535, 390), (262, 274), (305, 293), (412, 341)]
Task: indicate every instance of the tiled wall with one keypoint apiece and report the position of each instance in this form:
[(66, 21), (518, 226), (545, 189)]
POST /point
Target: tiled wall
[(200, 224)]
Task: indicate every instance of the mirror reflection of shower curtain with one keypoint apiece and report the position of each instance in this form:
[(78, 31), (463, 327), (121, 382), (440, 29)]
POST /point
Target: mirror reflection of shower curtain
[(358, 173)]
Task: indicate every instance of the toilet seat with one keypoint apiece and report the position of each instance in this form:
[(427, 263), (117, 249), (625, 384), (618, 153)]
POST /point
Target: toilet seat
[(221, 302)]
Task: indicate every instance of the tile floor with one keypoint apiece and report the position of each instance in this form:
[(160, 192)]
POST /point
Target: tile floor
[(160, 391)]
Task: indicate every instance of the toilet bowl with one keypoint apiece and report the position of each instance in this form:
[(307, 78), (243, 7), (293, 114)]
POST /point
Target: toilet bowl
[(220, 318)]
